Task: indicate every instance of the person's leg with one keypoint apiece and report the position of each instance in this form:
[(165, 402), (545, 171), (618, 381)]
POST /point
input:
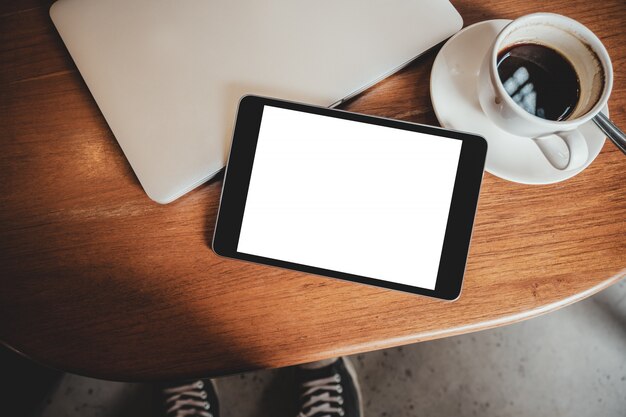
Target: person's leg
[(329, 388), (190, 399)]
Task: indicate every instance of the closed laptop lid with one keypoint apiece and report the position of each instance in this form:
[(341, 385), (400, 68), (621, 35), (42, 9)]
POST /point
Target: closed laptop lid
[(167, 75)]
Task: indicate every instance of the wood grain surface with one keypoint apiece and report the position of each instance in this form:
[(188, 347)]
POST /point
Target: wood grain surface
[(97, 279)]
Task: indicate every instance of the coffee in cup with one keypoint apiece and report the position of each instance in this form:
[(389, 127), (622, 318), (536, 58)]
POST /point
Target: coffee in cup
[(546, 74), (540, 80)]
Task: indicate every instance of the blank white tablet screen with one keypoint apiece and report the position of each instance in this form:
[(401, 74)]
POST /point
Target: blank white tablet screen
[(350, 197)]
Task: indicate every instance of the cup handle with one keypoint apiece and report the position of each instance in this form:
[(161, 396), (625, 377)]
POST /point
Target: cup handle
[(576, 145)]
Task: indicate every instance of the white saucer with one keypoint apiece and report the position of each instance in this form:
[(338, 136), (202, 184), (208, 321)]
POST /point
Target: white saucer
[(453, 93)]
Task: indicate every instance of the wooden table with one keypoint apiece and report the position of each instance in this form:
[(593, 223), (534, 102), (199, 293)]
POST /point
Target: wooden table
[(97, 279)]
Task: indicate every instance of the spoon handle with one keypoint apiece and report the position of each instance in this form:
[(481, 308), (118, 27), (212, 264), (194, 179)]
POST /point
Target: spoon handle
[(611, 131)]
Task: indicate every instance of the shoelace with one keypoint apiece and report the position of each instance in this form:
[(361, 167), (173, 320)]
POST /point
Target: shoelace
[(179, 406), (320, 399)]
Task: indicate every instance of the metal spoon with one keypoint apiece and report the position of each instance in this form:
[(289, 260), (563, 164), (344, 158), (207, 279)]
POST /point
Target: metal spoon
[(611, 131)]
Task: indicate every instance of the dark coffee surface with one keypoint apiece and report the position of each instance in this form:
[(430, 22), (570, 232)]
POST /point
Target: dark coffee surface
[(540, 80)]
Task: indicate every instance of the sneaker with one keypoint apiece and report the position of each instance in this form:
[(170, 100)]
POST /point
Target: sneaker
[(193, 399), (330, 391)]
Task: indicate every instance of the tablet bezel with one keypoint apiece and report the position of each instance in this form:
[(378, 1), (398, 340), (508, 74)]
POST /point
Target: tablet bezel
[(460, 220)]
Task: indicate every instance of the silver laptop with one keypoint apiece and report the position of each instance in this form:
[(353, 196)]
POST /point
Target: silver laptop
[(168, 75)]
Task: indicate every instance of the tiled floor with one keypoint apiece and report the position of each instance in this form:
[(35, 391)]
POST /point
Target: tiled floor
[(568, 363)]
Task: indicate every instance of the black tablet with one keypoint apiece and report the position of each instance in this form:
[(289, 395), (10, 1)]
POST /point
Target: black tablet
[(345, 195)]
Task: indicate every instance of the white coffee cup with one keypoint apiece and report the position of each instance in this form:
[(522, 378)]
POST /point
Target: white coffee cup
[(590, 61)]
